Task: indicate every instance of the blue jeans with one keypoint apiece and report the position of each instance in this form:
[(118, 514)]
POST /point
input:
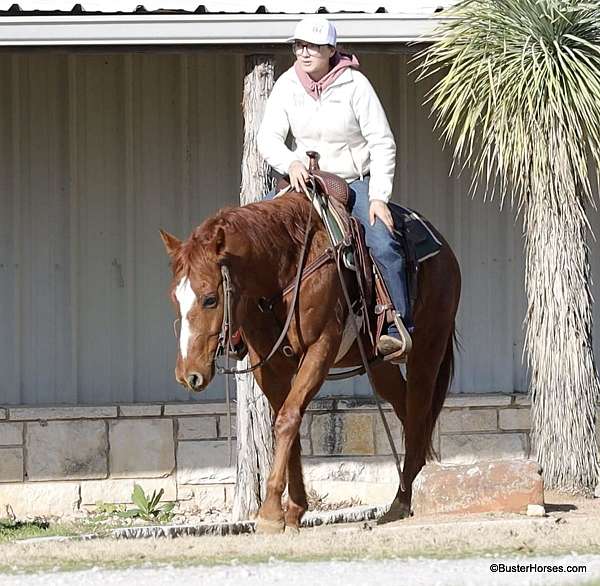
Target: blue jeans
[(385, 248)]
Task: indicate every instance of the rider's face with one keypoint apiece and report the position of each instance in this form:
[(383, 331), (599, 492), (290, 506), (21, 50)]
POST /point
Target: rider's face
[(313, 59)]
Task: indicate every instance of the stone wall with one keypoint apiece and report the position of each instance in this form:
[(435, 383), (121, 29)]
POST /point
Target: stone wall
[(58, 460)]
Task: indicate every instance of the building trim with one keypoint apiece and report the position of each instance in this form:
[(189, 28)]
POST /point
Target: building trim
[(194, 29)]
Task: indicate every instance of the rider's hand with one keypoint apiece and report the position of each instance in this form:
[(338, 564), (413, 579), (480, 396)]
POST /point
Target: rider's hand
[(379, 209), (298, 176)]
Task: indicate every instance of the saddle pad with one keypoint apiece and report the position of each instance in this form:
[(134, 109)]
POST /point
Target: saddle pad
[(417, 230)]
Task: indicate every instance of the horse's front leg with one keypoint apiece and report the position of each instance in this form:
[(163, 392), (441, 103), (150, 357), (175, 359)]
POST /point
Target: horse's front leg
[(311, 374), (297, 501)]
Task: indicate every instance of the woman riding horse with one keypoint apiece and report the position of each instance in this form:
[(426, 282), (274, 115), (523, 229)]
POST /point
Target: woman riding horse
[(331, 108)]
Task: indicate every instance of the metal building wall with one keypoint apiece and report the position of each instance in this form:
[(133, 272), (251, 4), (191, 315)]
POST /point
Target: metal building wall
[(99, 151)]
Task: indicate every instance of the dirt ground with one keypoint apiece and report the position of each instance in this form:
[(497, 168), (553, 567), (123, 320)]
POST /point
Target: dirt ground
[(572, 525)]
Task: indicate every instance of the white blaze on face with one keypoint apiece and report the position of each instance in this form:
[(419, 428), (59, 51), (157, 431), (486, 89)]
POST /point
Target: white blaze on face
[(185, 297)]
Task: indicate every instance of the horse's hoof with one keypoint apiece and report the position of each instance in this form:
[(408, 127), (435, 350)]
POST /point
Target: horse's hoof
[(397, 512), (292, 530), (269, 526)]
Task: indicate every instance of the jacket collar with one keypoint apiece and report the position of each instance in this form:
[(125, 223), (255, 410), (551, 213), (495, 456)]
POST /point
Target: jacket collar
[(346, 77)]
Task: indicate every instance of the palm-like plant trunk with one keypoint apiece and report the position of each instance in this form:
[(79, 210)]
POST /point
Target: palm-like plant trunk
[(564, 382), (254, 429)]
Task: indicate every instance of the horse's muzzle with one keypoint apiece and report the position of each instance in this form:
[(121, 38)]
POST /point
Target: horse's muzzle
[(194, 381)]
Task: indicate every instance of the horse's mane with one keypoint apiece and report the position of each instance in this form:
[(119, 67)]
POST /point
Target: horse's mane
[(268, 225)]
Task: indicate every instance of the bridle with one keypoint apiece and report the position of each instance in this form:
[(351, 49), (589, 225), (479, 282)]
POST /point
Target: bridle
[(224, 343)]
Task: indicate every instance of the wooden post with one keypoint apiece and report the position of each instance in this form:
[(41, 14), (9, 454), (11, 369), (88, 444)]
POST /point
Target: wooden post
[(254, 416)]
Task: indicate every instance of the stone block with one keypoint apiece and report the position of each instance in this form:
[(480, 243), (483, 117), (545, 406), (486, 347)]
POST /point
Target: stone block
[(11, 465), (3, 414), (488, 486), (382, 443), (465, 420), (515, 419), (362, 404), (305, 446), (119, 491), (305, 425), (374, 469), (204, 462), (11, 434), (345, 493), (223, 426), (141, 448), (346, 434), (470, 448), (322, 405), (478, 400), (31, 499), (196, 408), (522, 399), (52, 413), (435, 440), (202, 498), (203, 427), (140, 410), (229, 494), (63, 450)]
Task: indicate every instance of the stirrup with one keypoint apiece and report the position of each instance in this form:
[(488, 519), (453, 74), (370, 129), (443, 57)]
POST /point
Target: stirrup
[(401, 355)]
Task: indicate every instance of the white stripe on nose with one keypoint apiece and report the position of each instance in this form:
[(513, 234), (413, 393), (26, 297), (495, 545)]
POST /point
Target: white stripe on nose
[(186, 297)]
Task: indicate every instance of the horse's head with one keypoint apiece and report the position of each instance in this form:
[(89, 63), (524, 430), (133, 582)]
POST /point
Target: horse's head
[(197, 294)]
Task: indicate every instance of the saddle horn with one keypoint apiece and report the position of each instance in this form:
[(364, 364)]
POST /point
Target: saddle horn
[(313, 161)]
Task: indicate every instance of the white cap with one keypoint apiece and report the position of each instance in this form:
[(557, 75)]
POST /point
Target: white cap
[(315, 29)]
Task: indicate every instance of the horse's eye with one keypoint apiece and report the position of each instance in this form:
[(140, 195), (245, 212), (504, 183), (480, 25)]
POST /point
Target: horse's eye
[(209, 301)]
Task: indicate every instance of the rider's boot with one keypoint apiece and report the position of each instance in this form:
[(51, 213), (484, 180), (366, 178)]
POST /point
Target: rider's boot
[(396, 344)]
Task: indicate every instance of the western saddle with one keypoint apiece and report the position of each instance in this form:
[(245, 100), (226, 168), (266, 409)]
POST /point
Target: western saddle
[(373, 301)]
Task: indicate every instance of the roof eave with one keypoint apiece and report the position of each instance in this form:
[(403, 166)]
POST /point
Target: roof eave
[(222, 29)]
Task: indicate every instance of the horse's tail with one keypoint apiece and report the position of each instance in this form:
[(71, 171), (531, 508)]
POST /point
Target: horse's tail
[(442, 384)]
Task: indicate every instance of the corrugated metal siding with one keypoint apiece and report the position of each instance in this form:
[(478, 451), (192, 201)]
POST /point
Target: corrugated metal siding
[(98, 152)]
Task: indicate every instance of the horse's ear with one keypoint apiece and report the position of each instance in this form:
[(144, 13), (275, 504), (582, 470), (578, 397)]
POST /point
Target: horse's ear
[(171, 243), (219, 244), (225, 243)]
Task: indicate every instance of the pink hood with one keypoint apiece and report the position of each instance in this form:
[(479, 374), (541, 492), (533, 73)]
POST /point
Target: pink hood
[(339, 62)]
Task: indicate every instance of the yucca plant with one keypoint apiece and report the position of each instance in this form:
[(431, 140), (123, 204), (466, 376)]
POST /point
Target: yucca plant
[(517, 94)]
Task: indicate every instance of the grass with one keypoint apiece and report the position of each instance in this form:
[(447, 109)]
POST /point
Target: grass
[(13, 531), (16, 530)]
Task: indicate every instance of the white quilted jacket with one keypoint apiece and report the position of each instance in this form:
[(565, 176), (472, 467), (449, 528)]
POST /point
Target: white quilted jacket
[(347, 126)]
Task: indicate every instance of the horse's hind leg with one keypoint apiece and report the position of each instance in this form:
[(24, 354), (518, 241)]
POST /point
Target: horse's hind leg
[(391, 386), (426, 379)]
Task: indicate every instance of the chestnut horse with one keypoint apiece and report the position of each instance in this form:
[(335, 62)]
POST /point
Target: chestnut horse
[(260, 245)]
